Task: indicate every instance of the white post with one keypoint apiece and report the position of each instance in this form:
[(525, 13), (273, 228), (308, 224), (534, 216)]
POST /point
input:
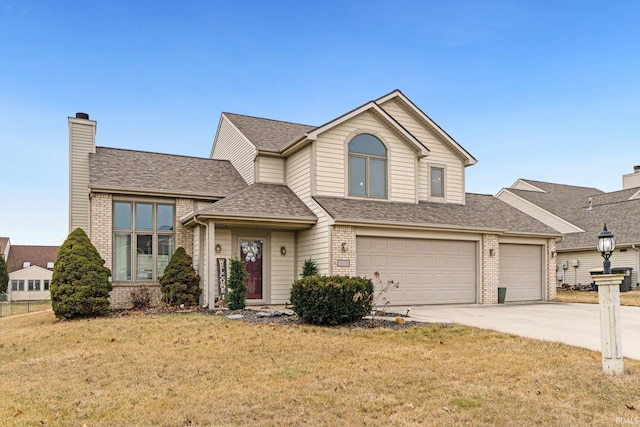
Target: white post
[(610, 322)]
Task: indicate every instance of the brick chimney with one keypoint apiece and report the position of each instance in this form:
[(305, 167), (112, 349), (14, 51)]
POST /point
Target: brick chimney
[(82, 142)]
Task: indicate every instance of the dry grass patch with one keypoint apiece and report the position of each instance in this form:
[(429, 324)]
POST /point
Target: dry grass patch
[(204, 370), (631, 298)]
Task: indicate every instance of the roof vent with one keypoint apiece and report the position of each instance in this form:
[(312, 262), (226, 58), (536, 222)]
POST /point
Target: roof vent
[(82, 116), (26, 264), (636, 168), (590, 203)]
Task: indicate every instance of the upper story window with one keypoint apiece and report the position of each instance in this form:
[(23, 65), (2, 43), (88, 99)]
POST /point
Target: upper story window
[(437, 182), (367, 167), (143, 239)]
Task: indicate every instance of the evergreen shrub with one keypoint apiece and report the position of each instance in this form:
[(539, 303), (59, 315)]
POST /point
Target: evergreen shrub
[(180, 284), (80, 284), (332, 300)]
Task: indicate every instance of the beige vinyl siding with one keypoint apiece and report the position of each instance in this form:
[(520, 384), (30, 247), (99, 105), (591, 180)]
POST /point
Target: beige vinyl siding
[(282, 266), (81, 143), (270, 169), (538, 213), (440, 155), (315, 242), (592, 259), (331, 152), (30, 273), (299, 173), (231, 145)]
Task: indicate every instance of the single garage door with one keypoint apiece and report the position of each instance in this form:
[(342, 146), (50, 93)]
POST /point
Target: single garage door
[(521, 271), (428, 271)]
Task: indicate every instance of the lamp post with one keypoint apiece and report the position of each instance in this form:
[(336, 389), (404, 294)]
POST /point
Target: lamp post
[(606, 246), (609, 302)]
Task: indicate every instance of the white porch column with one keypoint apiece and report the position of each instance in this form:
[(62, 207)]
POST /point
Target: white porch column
[(610, 322), (210, 260)]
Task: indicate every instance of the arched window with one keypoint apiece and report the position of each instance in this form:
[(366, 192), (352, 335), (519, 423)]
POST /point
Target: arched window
[(367, 167)]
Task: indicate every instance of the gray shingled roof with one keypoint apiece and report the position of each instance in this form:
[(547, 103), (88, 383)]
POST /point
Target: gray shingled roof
[(259, 202), (154, 173), (36, 255), (481, 212), (571, 204), (267, 134)]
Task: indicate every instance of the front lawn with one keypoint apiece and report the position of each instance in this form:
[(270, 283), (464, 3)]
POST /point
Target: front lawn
[(194, 369), (626, 298)]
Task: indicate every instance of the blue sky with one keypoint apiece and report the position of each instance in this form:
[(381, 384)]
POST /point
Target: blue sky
[(545, 90)]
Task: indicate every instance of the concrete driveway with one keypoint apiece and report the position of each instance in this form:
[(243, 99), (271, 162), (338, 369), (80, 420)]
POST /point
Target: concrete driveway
[(573, 324)]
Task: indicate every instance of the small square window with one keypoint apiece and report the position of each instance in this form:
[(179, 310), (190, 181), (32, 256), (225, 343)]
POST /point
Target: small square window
[(21, 285), (36, 285), (46, 285), (14, 285)]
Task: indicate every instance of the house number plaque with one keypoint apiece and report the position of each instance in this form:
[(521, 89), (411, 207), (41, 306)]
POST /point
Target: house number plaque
[(344, 263)]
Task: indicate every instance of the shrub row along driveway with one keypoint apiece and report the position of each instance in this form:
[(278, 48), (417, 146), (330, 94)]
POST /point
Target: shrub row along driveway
[(573, 324)]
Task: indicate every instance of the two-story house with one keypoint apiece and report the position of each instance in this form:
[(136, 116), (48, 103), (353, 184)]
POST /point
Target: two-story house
[(380, 188)]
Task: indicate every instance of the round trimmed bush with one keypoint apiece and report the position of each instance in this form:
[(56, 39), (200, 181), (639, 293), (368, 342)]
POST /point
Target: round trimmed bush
[(332, 300)]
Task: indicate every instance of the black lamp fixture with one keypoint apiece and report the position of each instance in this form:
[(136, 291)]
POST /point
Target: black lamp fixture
[(606, 246)]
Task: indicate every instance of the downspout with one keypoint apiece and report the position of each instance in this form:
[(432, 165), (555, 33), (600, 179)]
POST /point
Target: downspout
[(633, 245), (195, 219)]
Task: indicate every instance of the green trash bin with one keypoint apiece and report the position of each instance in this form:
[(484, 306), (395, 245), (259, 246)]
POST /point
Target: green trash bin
[(502, 293)]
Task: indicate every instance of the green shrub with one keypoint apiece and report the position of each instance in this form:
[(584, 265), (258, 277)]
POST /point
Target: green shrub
[(309, 268), (236, 298), (4, 274), (331, 300), (80, 284), (180, 284)]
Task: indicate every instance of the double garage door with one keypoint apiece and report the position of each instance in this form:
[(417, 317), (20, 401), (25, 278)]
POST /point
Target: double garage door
[(428, 271), (446, 271)]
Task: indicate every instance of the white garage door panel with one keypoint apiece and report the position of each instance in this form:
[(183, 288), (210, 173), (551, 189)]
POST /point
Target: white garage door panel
[(521, 271), (428, 271)]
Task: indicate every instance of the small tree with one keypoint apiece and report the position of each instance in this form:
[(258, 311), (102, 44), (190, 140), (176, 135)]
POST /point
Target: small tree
[(180, 284), (237, 295), (80, 284), (309, 268), (4, 274)]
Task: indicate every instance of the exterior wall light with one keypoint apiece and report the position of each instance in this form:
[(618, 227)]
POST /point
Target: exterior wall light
[(283, 250), (218, 248), (606, 246), (344, 247), (491, 252)]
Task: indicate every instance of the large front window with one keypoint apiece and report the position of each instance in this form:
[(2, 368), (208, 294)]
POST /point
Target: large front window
[(143, 240), (367, 167)]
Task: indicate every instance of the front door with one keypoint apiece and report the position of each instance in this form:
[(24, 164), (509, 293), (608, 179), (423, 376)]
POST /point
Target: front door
[(251, 254)]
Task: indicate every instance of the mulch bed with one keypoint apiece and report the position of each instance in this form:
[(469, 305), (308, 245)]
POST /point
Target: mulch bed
[(382, 319)]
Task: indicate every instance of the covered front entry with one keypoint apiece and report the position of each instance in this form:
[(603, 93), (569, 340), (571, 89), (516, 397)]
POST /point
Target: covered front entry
[(521, 271), (428, 271)]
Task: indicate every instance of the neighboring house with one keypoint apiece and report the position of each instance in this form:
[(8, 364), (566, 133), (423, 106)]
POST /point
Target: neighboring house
[(30, 269), (580, 213), (380, 188)]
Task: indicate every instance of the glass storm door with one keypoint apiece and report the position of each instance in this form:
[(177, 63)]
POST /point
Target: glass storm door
[(251, 254)]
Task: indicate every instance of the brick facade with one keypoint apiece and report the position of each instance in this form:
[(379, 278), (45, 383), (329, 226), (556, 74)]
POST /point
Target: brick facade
[(552, 257), (490, 268), (343, 234), (101, 236)]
